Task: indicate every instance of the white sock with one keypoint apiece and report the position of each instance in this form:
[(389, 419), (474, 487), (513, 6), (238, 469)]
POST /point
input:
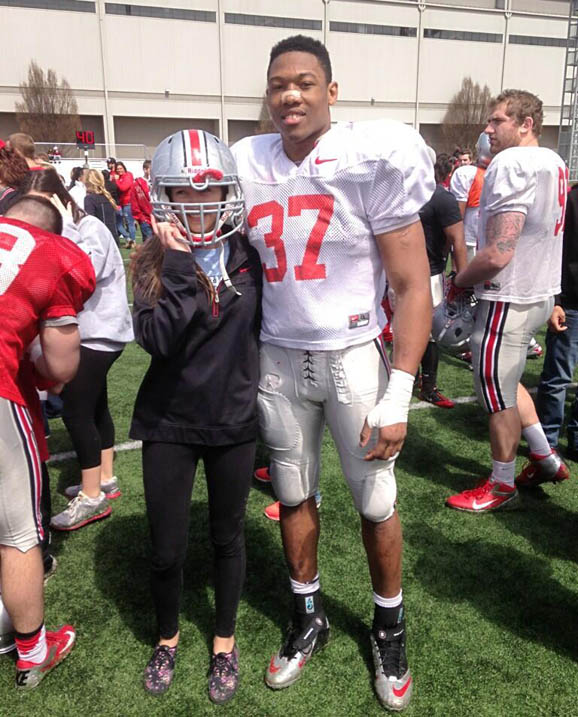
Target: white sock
[(298, 588), (504, 472), (536, 439), (35, 654), (388, 602)]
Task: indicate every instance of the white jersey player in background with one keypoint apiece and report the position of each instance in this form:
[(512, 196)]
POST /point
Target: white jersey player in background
[(516, 273), (328, 209), (466, 186)]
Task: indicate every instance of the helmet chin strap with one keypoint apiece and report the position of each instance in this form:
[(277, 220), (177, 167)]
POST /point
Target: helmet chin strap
[(226, 277), (221, 244)]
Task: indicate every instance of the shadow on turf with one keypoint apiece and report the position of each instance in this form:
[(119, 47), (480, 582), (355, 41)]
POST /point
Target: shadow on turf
[(122, 574), (547, 525), (508, 588)]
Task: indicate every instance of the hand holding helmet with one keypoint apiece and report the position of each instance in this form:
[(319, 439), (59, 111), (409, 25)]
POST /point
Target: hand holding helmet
[(455, 293), (454, 319)]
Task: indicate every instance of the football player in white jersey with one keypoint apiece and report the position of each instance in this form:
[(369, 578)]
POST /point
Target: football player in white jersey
[(516, 274), (328, 208), (466, 186)]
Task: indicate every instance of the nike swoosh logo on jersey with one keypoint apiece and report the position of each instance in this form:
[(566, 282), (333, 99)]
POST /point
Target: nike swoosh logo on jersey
[(322, 161), (401, 692)]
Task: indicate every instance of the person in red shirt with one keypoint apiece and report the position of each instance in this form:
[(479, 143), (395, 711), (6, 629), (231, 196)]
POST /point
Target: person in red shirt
[(140, 201), (124, 182), (44, 281)]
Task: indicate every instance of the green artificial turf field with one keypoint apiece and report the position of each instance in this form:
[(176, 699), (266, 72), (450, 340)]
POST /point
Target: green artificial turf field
[(491, 600)]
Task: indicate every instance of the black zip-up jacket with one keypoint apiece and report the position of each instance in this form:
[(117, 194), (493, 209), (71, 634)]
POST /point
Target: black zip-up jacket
[(568, 299), (201, 385)]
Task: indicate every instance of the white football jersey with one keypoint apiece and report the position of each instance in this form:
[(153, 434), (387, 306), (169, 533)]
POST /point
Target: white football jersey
[(314, 226), (460, 185), (534, 182)]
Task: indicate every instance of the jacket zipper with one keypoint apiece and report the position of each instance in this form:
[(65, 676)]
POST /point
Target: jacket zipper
[(215, 303)]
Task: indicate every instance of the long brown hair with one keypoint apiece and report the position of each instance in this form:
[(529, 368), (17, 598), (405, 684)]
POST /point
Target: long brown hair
[(48, 181), (145, 267), (13, 168)]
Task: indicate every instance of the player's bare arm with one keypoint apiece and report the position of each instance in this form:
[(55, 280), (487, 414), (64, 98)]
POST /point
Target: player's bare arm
[(462, 206), (502, 233), (403, 253), (60, 352), (455, 236)]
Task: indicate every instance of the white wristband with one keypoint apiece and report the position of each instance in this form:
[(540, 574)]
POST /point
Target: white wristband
[(394, 406)]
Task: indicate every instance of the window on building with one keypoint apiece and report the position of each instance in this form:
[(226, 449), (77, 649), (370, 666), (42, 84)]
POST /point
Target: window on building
[(366, 29), (72, 5), (168, 13), (293, 23), (534, 40), (462, 35)]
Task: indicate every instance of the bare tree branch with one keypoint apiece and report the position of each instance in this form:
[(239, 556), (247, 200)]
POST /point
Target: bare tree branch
[(466, 115), (265, 126), (48, 111)]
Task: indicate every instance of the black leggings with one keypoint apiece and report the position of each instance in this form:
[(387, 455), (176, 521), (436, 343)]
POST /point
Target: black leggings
[(168, 474), (85, 411)]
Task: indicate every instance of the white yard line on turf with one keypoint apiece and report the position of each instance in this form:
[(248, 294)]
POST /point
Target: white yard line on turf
[(133, 445), (67, 455)]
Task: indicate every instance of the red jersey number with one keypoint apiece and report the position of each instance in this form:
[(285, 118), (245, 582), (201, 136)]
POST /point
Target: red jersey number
[(273, 238), (309, 268), (562, 198)]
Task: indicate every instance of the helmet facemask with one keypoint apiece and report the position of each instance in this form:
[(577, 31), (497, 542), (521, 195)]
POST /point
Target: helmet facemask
[(228, 212)]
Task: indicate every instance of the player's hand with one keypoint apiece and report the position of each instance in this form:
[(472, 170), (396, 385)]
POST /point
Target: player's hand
[(389, 441), (454, 291), (170, 236), (556, 322), (65, 211), (56, 388)]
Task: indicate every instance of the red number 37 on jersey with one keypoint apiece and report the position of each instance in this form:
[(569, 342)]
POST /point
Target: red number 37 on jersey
[(309, 268)]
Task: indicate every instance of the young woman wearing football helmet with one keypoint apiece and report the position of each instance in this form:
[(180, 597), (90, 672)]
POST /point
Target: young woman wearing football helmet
[(197, 289)]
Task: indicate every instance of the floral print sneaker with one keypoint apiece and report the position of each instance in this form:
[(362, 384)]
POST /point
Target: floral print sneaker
[(159, 671), (224, 676)]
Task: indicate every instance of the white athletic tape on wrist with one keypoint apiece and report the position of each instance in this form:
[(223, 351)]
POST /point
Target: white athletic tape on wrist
[(394, 406)]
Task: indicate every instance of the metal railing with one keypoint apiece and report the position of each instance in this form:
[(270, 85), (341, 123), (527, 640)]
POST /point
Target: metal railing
[(69, 150)]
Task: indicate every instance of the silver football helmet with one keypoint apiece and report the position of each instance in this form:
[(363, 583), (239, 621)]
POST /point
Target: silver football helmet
[(195, 158), (453, 323), (6, 630), (483, 150)]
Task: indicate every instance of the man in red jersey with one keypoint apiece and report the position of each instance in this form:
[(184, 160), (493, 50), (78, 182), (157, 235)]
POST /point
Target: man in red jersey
[(44, 281)]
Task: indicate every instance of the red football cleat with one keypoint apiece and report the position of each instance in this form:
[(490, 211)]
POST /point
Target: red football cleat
[(59, 643), (542, 469), (436, 397), (262, 475), (486, 496), (272, 511), (534, 351)]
